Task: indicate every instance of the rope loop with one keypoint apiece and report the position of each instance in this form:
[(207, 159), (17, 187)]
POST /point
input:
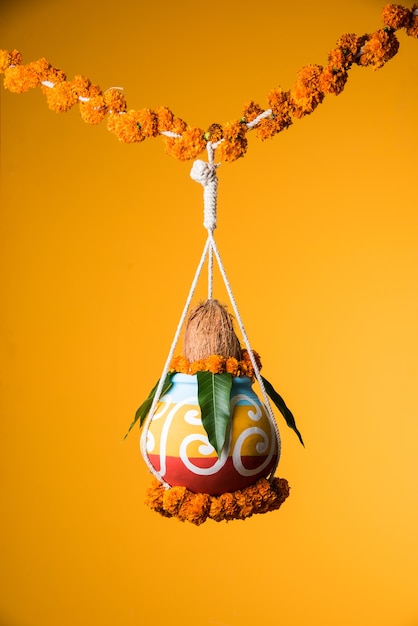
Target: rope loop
[(205, 174)]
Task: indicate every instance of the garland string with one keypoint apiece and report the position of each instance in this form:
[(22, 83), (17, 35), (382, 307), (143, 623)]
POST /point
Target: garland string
[(185, 142)]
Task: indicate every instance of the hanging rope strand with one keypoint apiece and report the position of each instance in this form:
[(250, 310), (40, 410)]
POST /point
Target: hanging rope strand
[(156, 399), (266, 400)]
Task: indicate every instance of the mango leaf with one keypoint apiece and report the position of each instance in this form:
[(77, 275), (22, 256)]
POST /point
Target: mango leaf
[(144, 409), (281, 405), (214, 395)]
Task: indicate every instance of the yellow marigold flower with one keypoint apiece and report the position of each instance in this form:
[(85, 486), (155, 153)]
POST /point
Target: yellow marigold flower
[(251, 111), (61, 97), (234, 144), (94, 110), (125, 126), (396, 16), (149, 122), (305, 93), (9, 58), (380, 47), (115, 101)]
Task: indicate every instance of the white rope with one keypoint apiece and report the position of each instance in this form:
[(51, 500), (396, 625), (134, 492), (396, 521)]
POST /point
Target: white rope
[(270, 413), (205, 173), (143, 440)]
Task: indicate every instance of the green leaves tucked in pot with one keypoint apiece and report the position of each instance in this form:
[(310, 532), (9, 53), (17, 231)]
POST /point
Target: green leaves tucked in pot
[(214, 393)]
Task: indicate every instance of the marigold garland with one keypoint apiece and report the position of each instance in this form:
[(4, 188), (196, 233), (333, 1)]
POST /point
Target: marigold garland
[(262, 497), (184, 142)]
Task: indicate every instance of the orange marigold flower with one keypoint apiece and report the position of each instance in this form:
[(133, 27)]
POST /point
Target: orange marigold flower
[(332, 80), (396, 16), (379, 48), (349, 44), (251, 111), (194, 508), (231, 366), (279, 102), (149, 122), (9, 58), (21, 78), (180, 364), (154, 497), (168, 122), (215, 364), (223, 507), (94, 110), (234, 144), (115, 100), (188, 146), (81, 86), (214, 133), (306, 93), (412, 28), (54, 76), (61, 97), (337, 59), (197, 366), (173, 499), (125, 126)]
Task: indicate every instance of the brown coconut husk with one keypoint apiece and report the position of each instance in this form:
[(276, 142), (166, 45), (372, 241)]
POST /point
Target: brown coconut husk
[(210, 330)]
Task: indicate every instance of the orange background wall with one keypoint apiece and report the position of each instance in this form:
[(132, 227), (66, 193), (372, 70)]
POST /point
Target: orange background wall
[(99, 242)]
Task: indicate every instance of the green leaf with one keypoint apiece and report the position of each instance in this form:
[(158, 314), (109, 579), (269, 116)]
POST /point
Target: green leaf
[(214, 397), (144, 409), (281, 405)]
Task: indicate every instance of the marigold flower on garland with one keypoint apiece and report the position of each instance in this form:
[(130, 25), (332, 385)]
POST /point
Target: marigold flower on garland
[(115, 101), (412, 29), (214, 133), (61, 97), (167, 121), (188, 146), (94, 110), (9, 59), (251, 111), (306, 93), (234, 144), (21, 78), (379, 48), (333, 79), (125, 126), (281, 114), (396, 16)]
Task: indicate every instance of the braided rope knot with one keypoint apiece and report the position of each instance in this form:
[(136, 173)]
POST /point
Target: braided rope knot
[(205, 174)]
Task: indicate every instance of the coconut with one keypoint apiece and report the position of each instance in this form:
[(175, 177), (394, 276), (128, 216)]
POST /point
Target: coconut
[(210, 330)]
